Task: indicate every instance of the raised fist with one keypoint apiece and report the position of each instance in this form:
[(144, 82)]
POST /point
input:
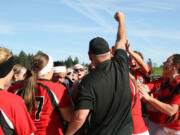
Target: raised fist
[(119, 16)]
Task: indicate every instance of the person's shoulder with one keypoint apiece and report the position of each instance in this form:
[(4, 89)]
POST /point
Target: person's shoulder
[(14, 87), (55, 84), (91, 76), (120, 56), (11, 98), (120, 52), (51, 84)]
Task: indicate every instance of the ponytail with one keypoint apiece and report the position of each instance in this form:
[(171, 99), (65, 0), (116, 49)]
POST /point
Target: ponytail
[(39, 66), (28, 92)]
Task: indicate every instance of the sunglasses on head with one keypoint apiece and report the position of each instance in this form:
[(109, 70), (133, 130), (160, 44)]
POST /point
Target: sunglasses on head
[(80, 69)]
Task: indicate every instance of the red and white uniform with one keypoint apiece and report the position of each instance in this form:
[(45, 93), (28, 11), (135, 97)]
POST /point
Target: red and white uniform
[(1, 131), (139, 125), (165, 95), (140, 76), (14, 116), (14, 88), (155, 86), (45, 118)]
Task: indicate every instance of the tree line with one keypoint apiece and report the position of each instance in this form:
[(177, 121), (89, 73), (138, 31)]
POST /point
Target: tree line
[(25, 60)]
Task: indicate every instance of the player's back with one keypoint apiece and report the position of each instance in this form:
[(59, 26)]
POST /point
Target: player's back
[(45, 118), (14, 116)]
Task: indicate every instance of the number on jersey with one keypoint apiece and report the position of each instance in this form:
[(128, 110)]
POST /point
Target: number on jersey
[(40, 101)]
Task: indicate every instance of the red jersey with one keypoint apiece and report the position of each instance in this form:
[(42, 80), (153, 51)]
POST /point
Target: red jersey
[(156, 85), (14, 88), (1, 131), (45, 118), (14, 118), (139, 125), (140, 76), (168, 93)]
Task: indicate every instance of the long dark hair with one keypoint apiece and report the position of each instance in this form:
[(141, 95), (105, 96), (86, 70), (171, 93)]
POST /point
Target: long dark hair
[(176, 61)]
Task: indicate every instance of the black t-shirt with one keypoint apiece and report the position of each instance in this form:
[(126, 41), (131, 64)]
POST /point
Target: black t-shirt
[(106, 92)]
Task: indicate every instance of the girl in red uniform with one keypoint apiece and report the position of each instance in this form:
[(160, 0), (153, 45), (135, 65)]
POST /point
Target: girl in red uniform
[(47, 102), (17, 79), (140, 70), (14, 118), (167, 101), (140, 127)]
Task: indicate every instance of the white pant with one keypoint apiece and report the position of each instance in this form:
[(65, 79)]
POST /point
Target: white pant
[(145, 133), (167, 131)]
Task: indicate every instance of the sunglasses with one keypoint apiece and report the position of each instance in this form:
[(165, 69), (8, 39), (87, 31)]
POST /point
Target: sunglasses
[(80, 69), (69, 73)]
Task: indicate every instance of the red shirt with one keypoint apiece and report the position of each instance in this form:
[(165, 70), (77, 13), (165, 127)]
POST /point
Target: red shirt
[(1, 131), (140, 76), (13, 88), (165, 95), (139, 125), (156, 85), (45, 118), (15, 114)]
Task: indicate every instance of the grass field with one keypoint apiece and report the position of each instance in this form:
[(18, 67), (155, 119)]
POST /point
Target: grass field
[(156, 71)]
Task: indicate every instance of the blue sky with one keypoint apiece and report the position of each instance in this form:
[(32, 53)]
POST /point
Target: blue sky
[(63, 28)]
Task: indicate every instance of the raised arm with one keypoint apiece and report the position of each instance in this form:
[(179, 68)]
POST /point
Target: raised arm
[(121, 33), (137, 58)]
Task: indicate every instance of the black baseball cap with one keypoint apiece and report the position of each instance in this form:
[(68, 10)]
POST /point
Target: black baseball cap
[(98, 46)]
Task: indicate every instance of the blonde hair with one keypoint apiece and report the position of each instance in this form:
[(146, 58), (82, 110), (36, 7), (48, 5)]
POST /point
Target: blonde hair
[(5, 54), (39, 61), (17, 68)]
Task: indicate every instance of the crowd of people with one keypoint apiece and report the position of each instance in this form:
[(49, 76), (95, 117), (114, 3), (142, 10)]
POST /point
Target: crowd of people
[(114, 96)]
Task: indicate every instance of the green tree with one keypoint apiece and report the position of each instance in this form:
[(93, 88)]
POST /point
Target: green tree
[(23, 60), (69, 62), (149, 62), (39, 51), (29, 58), (16, 59), (76, 61)]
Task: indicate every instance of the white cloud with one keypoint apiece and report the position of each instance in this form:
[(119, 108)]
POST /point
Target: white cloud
[(95, 10), (89, 12), (82, 6)]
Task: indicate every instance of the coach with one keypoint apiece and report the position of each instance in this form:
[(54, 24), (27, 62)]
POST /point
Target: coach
[(104, 97)]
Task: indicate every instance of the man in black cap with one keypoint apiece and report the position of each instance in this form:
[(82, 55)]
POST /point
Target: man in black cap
[(104, 95)]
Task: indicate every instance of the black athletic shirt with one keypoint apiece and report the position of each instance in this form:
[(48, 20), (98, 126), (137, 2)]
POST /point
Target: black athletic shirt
[(106, 92)]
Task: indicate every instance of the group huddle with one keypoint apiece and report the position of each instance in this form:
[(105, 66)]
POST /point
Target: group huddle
[(115, 95)]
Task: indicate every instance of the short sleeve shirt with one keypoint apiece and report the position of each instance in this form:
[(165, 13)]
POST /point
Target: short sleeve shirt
[(139, 124), (14, 88), (45, 118), (165, 95), (106, 92), (14, 116)]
